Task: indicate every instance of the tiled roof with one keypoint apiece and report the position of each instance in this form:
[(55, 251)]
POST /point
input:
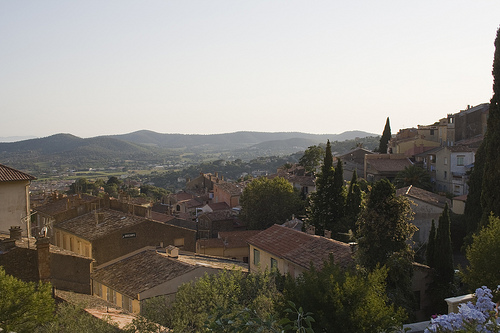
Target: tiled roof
[(231, 188), (301, 248), (141, 272), (219, 215), (219, 206), (86, 226), (461, 198), (461, 149), (66, 203), (423, 195), (174, 220), (149, 268), (389, 165), (234, 239), (8, 174)]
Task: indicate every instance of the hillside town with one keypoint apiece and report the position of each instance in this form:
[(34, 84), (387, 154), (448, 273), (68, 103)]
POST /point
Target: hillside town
[(125, 251)]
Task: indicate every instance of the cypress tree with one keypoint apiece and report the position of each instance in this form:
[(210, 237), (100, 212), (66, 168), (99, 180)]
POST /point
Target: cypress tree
[(431, 247), (386, 136), (320, 213), (490, 195), (337, 201), (353, 202), (443, 256)]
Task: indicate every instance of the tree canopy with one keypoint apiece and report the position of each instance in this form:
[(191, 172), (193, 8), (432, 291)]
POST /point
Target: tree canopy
[(24, 306), (384, 139), (265, 202), (312, 157), (413, 175), (483, 255)]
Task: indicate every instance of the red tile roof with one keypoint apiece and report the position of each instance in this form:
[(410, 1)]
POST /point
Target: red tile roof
[(8, 174), (301, 248)]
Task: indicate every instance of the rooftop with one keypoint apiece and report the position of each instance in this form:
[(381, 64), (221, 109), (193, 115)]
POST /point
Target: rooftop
[(149, 268), (301, 248), (8, 174), (423, 195)]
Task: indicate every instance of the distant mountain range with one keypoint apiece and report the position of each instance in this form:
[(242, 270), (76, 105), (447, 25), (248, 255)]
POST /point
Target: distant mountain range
[(152, 147)]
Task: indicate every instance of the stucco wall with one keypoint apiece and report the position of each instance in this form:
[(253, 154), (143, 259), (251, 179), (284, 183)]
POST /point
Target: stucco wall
[(14, 205), (424, 214)]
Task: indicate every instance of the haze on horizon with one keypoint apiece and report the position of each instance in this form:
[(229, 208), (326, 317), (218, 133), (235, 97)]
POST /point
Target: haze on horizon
[(94, 68)]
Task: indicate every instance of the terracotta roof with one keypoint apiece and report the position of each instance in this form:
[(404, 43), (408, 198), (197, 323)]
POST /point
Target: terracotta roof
[(461, 198), (461, 149), (232, 189), (219, 215), (65, 203), (301, 248), (423, 195), (141, 272), (219, 206), (86, 226), (389, 165), (174, 220), (8, 174), (149, 268), (234, 239)]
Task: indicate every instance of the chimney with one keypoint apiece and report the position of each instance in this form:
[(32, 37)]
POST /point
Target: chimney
[(311, 230), (15, 232), (172, 251), (99, 218), (43, 256), (328, 234)]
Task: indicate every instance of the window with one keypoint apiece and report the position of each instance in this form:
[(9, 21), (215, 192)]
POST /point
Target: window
[(111, 295), (274, 263), (445, 175), (446, 161), (179, 242), (460, 160), (97, 288), (127, 303), (431, 132), (256, 257)]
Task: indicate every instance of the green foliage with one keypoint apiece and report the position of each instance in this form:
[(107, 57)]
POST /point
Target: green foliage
[(327, 204), (431, 247), (384, 232), (413, 175), (84, 186), (444, 252), (24, 305), (72, 318), (353, 203), (384, 139), (312, 158), (265, 202), (222, 296), (156, 193), (384, 226), (344, 301), (484, 256), (490, 195)]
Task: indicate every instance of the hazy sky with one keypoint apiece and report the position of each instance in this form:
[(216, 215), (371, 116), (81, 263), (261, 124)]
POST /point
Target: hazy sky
[(108, 67)]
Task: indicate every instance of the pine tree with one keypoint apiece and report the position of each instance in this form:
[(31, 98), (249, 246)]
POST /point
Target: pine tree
[(431, 247), (443, 256), (490, 195), (386, 136)]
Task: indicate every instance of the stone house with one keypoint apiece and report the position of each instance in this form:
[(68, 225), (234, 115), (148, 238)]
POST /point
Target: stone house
[(378, 166), (427, 206), (32, 261), (354, 160), (451, 166), (229, 244), (211, 223), (292, 251), (106, 234), (149, 272), (227, 192), (14, 200)]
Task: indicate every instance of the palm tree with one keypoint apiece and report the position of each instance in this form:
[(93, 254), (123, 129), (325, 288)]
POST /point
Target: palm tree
[(413, 175)]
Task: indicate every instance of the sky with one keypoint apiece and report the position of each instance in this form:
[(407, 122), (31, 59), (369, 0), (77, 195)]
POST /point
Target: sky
[(94, 68)]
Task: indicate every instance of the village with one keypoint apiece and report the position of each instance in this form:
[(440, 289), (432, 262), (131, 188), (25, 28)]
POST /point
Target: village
[(127, 250)]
